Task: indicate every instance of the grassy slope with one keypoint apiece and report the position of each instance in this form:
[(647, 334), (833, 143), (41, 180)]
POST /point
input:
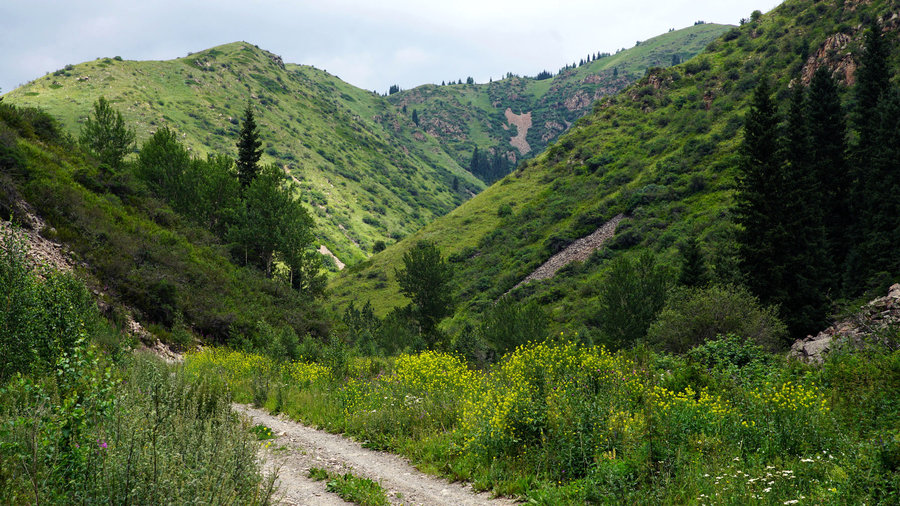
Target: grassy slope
[(366, 172), (664, 150), (464, 116)]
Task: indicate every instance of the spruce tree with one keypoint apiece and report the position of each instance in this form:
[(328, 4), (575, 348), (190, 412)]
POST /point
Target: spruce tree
[(872, 81), (415, 117), (809, 270), (759, 200), (694, 272), (249, 151), (828, 165)]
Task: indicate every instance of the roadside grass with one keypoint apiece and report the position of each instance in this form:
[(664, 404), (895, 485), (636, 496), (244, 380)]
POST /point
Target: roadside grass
[(361, 491)]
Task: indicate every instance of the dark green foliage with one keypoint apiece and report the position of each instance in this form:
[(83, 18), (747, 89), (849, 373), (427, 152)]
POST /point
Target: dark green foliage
[(424, 280), (760, 200), (40, 319), (489, 168), (830, 195), (693, 266), (509, 323), (105, 135), (693, 316), (415, 117), (632, 293), (378, 246), (249, 149), (273, 225)]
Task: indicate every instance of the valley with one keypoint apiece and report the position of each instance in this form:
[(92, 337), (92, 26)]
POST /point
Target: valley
[(666, 275)]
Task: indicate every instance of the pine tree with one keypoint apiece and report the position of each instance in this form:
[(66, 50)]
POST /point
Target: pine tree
[(759, 199), (249, 151), (693, 267), (415, 117)]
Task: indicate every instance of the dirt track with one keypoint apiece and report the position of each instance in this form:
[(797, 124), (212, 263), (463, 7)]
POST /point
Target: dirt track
[(305, 447)]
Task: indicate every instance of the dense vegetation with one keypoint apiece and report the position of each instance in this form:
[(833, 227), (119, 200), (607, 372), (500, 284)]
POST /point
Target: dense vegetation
[(81, 422), (163, 236), (760, 190), (560, 423)]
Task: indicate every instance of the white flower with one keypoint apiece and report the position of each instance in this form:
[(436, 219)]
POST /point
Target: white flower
[(792, 501), (767, 489)]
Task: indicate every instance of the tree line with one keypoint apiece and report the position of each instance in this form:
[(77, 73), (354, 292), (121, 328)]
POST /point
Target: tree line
[(819, 197)]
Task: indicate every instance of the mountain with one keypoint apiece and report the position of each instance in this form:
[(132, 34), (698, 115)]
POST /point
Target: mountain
[(515, 118), (365, 170), (663, 152)]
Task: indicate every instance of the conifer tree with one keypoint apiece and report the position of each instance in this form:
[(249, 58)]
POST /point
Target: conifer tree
[(249, 151), (759, 199), (693, 267), (808, 264), (415, 117), (872, 82), (828, 165)]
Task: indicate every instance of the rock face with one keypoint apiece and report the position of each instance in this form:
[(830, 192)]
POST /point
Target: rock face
[(874, 316)]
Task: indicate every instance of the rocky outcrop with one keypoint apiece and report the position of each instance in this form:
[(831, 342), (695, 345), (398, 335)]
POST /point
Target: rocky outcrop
[(856, 330)]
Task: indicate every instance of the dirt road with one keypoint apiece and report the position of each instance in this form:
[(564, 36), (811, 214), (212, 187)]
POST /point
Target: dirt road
[(304, 447)]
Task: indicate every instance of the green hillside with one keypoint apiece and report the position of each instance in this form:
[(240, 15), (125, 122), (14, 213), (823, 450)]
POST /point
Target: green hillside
[(465, 116), (664, 151), (366, 172)]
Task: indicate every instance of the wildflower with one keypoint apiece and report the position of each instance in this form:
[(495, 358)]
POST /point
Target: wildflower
[(767, 489), (101, 443)]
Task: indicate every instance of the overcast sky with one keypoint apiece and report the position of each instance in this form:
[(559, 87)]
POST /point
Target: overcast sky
[(369, 43)]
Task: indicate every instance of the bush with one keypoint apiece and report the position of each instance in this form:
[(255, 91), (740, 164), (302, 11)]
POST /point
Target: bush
[(694, 315), (40, 319), (631, 295), (508, 324)]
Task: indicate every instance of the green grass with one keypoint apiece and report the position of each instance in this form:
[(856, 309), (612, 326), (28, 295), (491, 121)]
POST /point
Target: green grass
[(365, 171), (361, 491)]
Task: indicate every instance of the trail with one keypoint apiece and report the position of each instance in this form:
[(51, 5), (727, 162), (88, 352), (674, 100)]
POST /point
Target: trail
[(307, 447)]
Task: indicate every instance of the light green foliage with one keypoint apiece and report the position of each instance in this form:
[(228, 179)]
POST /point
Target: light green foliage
[(40, 319), (349, 146), (105, 135), (562, 423), (693, 316), (471, 117)]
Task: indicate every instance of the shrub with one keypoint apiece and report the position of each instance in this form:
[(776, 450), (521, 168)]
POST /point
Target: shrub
[(508, 324), (631, 295), (694, 315), (40, 319)]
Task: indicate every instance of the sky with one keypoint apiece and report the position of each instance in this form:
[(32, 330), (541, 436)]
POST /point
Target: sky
[(371, 44)]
